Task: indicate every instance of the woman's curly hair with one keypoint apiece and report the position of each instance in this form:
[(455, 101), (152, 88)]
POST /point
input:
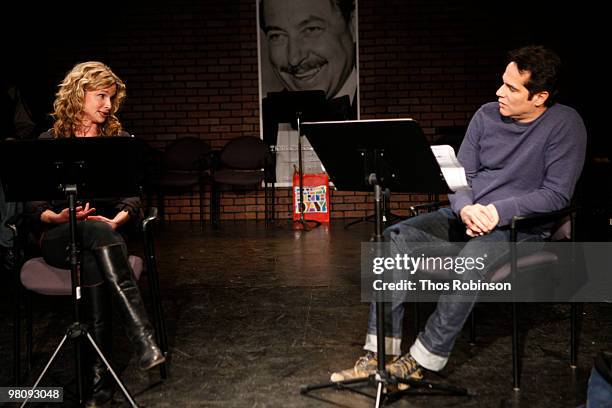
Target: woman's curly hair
[(68, 105)]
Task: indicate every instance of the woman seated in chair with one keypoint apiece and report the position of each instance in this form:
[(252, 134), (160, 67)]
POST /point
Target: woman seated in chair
[(85, 106)]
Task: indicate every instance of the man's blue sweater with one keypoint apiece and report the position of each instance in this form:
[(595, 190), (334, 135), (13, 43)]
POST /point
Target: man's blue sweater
[(521, 168)]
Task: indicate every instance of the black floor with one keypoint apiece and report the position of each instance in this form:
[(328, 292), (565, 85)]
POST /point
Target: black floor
[(252, 314)]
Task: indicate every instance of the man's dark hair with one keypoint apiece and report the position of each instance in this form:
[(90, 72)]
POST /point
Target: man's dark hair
[(543, 64), (346, 7)]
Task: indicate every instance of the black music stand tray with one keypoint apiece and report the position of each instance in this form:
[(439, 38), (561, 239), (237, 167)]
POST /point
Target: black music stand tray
[(58, 169), (371, 155), (294, 108)]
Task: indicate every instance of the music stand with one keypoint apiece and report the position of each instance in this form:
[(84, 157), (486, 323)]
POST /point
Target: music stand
[(387, 214), (378, 154), (62, 168), (294, 108)]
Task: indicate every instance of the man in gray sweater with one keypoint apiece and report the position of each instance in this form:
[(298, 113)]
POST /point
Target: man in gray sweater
[(522, 155)]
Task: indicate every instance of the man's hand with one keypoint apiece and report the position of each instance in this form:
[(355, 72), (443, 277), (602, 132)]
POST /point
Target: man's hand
[(479, 219)]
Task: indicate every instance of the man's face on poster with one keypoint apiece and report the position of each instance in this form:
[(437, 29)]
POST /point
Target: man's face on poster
[(311, 44)]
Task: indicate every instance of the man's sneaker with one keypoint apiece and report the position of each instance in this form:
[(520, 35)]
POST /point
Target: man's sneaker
[(405, 368), (364, 367)]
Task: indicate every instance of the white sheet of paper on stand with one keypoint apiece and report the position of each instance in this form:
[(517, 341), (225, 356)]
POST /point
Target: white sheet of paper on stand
[(287, 156), (452, 170)]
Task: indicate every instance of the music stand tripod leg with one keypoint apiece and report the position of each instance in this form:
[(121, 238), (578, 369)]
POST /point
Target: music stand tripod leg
[(44, 371), (74, 331), (357, 221), (301, 203), (388, 215), (126, 393)]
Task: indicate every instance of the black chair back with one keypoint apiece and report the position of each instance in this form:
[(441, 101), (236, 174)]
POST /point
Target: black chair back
[(186, 154), (244, 153)]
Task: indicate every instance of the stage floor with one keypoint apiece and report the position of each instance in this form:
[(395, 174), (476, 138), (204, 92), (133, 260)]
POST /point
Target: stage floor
[(253, 313)]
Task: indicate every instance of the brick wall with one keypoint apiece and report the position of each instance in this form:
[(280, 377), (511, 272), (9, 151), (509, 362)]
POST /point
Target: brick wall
[(191, 70)]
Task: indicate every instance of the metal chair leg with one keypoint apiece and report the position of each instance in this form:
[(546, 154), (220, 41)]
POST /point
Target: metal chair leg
[(161, 207), (273, 215), (573, 323), (29, 324), (215, 202), (154, 288), (17, 332), (158, 315), (472, 327), (266, 202), (515, 347), (202, 197)]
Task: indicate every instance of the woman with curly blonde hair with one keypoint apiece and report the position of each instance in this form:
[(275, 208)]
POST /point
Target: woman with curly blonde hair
[(86, 104)]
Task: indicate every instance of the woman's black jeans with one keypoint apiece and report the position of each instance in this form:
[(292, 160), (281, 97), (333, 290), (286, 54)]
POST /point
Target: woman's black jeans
[(55, 247)]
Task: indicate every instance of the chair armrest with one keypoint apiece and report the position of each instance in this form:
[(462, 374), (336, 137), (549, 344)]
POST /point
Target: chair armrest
[(540, 219), (520, 221), (147, 237), (17, 224), (149, 219), (14, 222), (15, 254)]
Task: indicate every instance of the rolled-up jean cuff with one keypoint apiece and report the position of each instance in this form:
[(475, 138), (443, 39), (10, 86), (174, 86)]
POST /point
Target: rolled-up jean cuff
[(393, 345), (426, 358)]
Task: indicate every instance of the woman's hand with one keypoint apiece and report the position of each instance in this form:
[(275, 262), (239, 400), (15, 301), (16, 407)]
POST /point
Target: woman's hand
[(102, 218), (120, 219), (82, 213)]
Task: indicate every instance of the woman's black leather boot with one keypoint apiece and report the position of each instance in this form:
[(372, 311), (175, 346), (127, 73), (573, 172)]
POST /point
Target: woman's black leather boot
[(97, 315), (115, 267)]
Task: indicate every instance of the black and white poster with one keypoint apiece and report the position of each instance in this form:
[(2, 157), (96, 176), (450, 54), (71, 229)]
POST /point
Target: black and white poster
[(305, 45)]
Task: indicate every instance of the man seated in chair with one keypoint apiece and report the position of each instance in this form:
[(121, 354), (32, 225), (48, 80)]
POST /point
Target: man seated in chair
[(522, 155)]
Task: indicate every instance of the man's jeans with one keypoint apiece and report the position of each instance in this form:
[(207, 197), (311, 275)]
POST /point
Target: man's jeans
[(599, 393), (440, 233)]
